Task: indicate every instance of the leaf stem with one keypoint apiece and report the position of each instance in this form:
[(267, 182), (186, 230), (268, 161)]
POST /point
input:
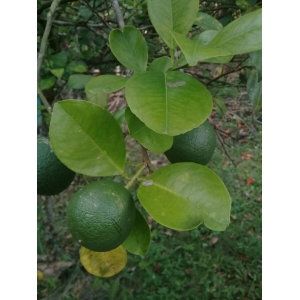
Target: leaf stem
[(172, 51), (137, 174)]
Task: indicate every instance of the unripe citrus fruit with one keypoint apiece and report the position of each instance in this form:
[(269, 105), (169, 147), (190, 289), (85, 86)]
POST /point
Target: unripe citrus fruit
[(196, 145), (101, 215), (52, 175)]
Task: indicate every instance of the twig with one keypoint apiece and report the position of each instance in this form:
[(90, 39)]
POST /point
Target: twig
[(118, 12), (75, 24), (44, 100), (43, 48), (224, 74), (226, 152), (95, 13)]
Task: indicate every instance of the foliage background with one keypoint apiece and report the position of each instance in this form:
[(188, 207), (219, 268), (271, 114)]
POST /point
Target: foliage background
[(198, 264)]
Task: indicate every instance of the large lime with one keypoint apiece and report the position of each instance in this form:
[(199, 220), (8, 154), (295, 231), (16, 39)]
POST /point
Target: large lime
[(52, 175), (101, 215), (196, 146)]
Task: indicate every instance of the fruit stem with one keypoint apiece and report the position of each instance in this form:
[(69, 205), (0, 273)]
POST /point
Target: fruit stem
[(137, 174)]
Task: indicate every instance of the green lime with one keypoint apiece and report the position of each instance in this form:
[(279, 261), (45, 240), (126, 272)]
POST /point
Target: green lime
[(101, 215), (52, 175), (196, 145)]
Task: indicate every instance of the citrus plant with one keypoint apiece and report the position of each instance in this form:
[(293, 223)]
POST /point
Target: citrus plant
[(164, 106)]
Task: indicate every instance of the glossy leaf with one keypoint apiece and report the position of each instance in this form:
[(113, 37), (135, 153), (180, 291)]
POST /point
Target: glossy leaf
[(256, 61), (220, 106), (87, 139), (100, 99), (106, 83), (77, 66), (47, 83), (195, 52), (161, 64), (119, 115), (254, 89), (207, 22), (98, 89), (150, 139), (164, 107), (104, 264), (130, 48), (183, 195), (58, 72), (242, 35), (138, 241), (205, 38), (172, 15), (78, 81), (58, 60)]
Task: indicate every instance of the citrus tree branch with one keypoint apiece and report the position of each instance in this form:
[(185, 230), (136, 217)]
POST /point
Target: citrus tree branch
[(146, 159), (42, 52), (119, 14), (44, 100)]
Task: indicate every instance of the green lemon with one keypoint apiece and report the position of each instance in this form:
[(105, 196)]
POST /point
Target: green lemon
[(52, 175), (101, 215), (197, 145)]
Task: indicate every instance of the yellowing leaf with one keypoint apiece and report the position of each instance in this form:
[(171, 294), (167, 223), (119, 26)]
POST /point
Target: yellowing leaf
[(104, 264)]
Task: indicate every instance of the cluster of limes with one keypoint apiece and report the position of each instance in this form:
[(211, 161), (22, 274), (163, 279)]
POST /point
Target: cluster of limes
[(101, 215)]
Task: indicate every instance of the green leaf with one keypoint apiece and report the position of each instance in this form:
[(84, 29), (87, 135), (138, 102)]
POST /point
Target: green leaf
[(130, 48), (161, 64), (100, 99), (207, 22), (77, 66), (104, 264), (98, 89), (58, 60), (58, 72), (119, 115), (242, 3), (150, 139), (181, 196), (138, 241), (256, 61), (169, 103), (254, 89), (106, 84), (87, 139), (242, 35), (195, 52), (205, 38), (220, 106), (85, 13), (225, 91), (47, 83), (78, 82), (172, 15)]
